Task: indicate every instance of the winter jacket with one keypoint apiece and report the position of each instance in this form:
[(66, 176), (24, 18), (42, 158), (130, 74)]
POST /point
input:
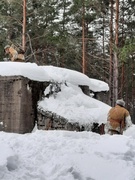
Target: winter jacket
[(15, 56), (118, 119)]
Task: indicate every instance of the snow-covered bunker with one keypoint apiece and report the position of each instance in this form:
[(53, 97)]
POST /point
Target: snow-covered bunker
[(50, 96)]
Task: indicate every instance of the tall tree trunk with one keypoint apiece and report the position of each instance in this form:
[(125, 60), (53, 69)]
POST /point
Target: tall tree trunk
[(121, 43), (116, 53), (111, 55), (103, 44), (64, 10), (24, 26), (83, 37), (133, 92), (122, 80)]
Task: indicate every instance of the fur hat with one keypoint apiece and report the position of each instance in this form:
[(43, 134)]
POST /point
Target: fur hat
[(120, 102), (7, 46)]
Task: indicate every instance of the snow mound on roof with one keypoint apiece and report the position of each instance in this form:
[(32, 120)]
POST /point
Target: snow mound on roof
[(72, 104), (97, 85), (29, 70), (77, 78), (50, 73)]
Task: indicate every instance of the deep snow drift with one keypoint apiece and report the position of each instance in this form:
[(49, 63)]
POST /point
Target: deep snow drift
[(72, 104), (63, 155)]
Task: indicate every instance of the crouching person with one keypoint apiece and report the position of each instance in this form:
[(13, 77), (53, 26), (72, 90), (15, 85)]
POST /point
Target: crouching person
[(13, 54), (118, 118)]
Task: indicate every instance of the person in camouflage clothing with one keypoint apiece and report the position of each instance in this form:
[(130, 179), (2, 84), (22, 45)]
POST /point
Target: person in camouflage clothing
[(118, 118), (13, 54)]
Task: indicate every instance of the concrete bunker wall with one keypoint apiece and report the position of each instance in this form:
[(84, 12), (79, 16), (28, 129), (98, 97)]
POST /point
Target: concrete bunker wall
[(18, 103), (18, 108)]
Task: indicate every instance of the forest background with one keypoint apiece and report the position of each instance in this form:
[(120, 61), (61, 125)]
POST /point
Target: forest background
[(96, 37)]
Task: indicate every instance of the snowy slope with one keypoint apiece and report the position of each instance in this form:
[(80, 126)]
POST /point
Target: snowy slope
[(63, 155)]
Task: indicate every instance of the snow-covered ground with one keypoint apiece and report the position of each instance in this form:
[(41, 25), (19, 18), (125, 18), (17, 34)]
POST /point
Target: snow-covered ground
[(64, 155)]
